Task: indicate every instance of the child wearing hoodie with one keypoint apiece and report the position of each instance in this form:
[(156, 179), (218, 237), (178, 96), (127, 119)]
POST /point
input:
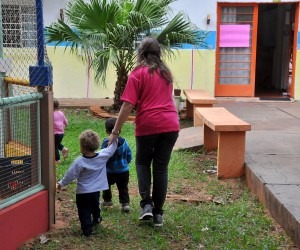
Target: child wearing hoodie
[(117, 168)]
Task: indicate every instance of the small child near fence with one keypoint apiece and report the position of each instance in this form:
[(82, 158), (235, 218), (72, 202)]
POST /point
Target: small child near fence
[(117, 169), (90, 172), (60, 122)]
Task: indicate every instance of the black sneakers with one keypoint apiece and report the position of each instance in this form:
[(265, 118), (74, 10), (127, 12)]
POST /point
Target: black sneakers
[(157, 220), (146, 213)]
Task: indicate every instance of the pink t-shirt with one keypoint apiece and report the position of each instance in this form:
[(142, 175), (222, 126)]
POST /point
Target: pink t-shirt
[(60, 121), (152, 96)]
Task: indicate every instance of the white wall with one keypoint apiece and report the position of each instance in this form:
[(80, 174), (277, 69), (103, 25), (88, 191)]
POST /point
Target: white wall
[(197, 10), (52, 10)]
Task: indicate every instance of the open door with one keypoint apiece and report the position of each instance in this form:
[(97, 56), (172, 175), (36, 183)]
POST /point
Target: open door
[(236, 49), (276, 48)]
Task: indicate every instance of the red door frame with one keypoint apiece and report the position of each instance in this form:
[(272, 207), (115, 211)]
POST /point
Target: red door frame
[(295, 42), (249, 90), (236, 89)]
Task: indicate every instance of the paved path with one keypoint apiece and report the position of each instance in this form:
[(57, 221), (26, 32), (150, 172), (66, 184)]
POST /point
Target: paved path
[(272, 153), (272, 157)]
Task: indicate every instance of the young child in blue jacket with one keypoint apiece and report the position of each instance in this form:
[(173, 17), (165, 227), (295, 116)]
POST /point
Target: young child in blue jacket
[(117, 168)]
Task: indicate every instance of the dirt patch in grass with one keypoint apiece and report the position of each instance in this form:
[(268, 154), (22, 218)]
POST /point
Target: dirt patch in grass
[(63, 210), (199, 191)]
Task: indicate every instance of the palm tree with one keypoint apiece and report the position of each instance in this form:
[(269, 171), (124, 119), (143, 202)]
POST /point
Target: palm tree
[(108, 31)]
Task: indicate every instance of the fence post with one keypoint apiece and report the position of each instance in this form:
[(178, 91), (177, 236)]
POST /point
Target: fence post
[(47, 151), (41, 76)]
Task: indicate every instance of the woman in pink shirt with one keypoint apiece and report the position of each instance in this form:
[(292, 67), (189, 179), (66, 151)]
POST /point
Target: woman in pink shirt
[(60, 122), (149, 89)]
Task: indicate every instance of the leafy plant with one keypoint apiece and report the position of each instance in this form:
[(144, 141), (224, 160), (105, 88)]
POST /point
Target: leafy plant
[(109, 31)]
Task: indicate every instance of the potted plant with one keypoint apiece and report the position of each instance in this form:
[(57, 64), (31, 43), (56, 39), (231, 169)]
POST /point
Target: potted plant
[(177, 90), (182, 104)]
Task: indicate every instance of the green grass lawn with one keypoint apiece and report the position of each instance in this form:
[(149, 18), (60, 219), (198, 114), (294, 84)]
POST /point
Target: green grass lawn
[(201, 212)]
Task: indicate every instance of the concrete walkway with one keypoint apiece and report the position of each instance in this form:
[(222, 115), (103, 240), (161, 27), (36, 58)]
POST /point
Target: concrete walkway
[(272, 153), (272, 156)]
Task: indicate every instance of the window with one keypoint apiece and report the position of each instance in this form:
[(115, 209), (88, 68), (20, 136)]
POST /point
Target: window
[(235, 62), (19, 26)]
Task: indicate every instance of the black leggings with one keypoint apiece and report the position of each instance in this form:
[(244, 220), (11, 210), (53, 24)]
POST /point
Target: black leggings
[(121, 180), (156, 150)]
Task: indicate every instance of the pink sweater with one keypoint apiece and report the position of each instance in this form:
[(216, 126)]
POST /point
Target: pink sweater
[(60, 122)]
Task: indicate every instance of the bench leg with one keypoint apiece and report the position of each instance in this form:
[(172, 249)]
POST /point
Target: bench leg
[(189, 109), (210, 138), (231, 154), (197, 120)]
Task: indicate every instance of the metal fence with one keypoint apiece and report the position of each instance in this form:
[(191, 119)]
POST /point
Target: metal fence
[(20, 167), (19, 37), (19, 140), (21, 46)]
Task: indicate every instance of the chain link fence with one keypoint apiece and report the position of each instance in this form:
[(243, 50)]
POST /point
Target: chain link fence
[(20, 169)]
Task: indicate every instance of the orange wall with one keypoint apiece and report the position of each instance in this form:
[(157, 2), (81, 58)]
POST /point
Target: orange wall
[(23, 220)]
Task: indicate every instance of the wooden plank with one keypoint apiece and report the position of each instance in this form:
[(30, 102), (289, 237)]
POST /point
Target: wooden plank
[(14, 148), (220, 119)]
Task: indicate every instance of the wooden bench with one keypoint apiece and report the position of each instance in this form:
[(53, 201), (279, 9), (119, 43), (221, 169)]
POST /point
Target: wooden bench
[(197, 98), (226, 132)]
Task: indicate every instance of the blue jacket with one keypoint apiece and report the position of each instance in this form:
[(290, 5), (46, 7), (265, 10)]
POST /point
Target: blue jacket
[(119, 162)]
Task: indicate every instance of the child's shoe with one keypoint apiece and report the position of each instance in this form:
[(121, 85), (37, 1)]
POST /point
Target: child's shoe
[(88, 234), (65, 152), (107, 204), (57, 162), (125, 207), (97, 221)]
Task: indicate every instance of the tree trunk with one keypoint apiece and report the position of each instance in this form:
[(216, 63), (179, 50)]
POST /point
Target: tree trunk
[(122, 76)]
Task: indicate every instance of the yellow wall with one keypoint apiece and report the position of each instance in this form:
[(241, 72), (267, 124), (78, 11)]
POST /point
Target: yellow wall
[(204, 69), (70, 73)]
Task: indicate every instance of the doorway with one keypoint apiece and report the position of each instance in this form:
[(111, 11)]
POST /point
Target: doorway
[(274, 51)]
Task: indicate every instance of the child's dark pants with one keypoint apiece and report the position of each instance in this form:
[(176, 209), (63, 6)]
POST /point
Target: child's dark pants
[(121, 180), (58, 146), (88, 211)]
